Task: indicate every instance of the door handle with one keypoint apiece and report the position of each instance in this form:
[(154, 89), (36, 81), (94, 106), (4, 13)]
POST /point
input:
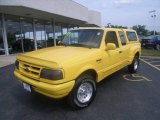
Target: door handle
[(120, 51)]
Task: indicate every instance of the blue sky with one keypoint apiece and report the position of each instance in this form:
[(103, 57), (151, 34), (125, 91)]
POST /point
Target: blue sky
[(126, 12)]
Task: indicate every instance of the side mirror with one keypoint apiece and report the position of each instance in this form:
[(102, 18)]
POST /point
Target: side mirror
[(110, 46)]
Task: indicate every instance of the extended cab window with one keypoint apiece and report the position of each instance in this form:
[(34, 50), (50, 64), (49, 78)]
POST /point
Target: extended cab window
[(122, 38), (111, 37), (131, 36)]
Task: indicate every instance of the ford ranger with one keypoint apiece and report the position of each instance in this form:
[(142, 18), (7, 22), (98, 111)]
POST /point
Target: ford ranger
[(82, 59)]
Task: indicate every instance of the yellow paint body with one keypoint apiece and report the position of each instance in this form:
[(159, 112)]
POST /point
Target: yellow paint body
[(73, 61)]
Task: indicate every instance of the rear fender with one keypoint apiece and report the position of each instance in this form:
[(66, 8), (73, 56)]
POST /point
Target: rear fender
[(133, 51)]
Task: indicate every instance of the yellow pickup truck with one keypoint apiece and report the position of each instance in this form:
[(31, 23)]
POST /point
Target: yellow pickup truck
[(82, 59)]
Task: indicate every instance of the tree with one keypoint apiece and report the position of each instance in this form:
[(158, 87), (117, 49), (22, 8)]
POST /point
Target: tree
[(140, 29), (115, 26), (152, 33)]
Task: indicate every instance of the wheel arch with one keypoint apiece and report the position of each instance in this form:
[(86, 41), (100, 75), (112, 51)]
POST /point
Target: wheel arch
[(90, 71), (133, 52), (137, 54)]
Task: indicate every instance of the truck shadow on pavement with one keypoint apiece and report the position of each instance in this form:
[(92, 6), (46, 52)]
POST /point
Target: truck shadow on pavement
[(37, 101)]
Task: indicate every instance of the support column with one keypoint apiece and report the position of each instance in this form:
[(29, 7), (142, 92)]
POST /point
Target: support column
[(34, 35), (61, 32), (54, 32), (45, 34), (22, 43), (4, 35)]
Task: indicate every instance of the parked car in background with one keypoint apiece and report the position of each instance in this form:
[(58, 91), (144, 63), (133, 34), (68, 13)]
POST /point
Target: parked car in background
[(151, 41)]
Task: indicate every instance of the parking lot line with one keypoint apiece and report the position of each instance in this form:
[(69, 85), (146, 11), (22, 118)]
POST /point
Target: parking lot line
[(150, 64), (155, 61), (157, 65), (145, 57)]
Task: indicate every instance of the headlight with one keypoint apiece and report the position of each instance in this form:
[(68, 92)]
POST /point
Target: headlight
[(17, 64), (51, 74)]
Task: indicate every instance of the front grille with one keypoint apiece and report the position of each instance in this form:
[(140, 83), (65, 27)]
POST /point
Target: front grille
[(30, 70)]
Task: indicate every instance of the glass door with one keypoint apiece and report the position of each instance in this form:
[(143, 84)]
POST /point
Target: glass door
[(27, 34), (40, 34), (14, 38)]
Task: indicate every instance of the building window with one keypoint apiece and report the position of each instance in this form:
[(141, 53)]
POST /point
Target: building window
[(58, 33), (64, 30), (13, 34), (40, 34), (49, 33), (27, 34), (70, 27), (21, 37), (2, 49)]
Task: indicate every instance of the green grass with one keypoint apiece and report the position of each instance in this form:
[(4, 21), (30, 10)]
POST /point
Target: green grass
[(150, 52)]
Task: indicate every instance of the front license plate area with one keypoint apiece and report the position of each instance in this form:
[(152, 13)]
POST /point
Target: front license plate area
[(27, 87)]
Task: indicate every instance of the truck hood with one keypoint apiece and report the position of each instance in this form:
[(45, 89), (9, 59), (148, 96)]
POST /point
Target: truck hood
[(60, 54)]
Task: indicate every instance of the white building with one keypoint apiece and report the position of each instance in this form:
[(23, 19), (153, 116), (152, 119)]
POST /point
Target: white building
[(27, 25)]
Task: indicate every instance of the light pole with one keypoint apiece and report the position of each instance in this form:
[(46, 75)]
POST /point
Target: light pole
[(153, 12)]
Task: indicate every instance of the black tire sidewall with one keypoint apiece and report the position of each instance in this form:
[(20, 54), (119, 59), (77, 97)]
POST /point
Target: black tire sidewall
[(131, 67), (82, 79), (136, 59)]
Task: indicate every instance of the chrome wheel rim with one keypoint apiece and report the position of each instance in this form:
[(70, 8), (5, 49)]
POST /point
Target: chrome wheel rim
[(135, 65), (85, 92)]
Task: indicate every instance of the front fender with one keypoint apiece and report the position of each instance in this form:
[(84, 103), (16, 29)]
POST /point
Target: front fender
[(74, 71)]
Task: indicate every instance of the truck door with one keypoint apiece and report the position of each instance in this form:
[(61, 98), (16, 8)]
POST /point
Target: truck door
[(124, 48), (111, 57)]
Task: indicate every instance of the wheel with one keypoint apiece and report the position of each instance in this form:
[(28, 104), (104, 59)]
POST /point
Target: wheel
[(157, 47), (134, 66), (83, 92)]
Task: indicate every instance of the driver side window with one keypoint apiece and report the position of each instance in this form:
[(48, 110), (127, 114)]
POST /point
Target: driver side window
[(111, 37)]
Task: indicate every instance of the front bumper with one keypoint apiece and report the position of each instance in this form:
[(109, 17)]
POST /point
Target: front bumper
[(50, 90)]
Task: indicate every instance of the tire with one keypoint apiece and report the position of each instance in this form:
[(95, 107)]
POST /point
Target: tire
[(157, 47), (134, 66), (83, 92)]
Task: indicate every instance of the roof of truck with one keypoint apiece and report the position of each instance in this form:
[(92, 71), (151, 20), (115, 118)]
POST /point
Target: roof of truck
[(106, 28)]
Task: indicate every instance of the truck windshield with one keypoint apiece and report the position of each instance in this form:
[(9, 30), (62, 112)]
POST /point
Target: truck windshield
[(83, 38)]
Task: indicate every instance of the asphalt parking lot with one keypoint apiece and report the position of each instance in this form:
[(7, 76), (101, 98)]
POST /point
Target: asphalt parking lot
[(121, 96), (153, 61)]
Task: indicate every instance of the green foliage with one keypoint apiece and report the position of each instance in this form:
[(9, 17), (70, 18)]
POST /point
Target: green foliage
[(152, 33), (150, 52), (116, 26), (141, 30)]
